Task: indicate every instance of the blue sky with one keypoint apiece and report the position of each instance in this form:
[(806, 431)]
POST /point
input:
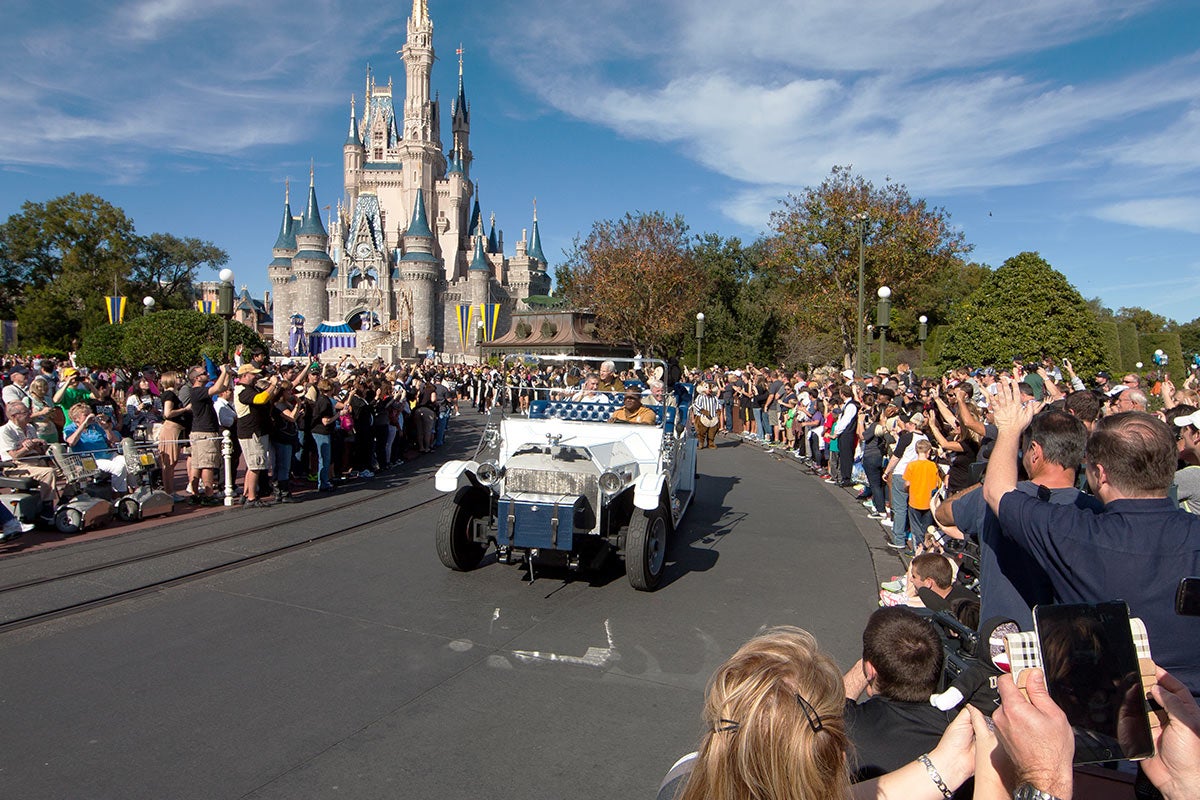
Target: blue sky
[(1071, 127)]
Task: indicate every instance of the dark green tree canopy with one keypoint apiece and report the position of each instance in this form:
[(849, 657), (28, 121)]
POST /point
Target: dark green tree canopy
[(59, 259), (1023, 310), (166, 339)]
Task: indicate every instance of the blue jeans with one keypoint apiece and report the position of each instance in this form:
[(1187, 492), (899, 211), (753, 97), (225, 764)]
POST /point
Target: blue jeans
[(899, 510), (760, 423), (283, 464), (324, 457), (442, 421)]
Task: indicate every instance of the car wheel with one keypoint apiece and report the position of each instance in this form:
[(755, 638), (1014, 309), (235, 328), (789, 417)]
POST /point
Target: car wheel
[(455, 547), (68, 520), (646, 548)]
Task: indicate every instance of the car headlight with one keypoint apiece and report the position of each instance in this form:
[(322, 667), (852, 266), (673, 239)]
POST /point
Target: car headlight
[(488, 473), (611, 482)]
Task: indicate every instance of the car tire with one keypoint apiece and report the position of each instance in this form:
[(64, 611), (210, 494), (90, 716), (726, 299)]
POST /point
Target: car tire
[(646, 548), (455, 547)]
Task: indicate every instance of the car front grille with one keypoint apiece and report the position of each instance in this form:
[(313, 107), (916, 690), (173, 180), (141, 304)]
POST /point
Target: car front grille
[(551, 482)]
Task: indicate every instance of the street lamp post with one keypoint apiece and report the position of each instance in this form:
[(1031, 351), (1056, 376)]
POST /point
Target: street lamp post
[(699, 338), (922, 335), (479, 337), (147, 305), (883, 317), (225, 307), (860, 222)]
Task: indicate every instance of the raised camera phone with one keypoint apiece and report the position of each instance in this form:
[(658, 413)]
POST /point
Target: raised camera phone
[(1187, 597), (1093, 674)]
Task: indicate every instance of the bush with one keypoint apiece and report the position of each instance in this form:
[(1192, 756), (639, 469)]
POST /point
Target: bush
[(179, 339), (1169, 344), (1024, 309), (1128, 334), (1110, 339), (101, 347)]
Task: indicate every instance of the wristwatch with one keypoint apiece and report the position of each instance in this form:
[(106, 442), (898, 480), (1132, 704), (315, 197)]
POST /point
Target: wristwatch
[(1027, 791)]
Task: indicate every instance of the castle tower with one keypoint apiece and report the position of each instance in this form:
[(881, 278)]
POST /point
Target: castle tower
[(420, 269), (311, 265), (479, 275), (280, 268)]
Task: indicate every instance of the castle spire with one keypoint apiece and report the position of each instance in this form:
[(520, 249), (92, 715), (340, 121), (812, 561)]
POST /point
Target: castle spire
[(493, 242), (287, 234), (420, 12), (459, 108), (420, 222), (352, 136), (476, 221), (479, 262), (535, 246), (310, 223)]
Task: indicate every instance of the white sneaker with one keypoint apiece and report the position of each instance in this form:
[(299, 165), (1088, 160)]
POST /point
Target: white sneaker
[(887, 523)]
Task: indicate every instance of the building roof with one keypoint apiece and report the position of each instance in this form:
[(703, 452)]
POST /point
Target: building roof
[(310, 223), (287, 231), (479, 262), (312, 255), (419, 226), (352, 137), (535, 244)]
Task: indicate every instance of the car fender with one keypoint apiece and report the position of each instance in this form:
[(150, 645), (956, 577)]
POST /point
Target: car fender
[(647, 491), (448, 474)]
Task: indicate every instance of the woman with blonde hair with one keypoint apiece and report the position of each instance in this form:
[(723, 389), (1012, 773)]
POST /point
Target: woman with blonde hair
[(774, 731), (45, 416), (173, 433)]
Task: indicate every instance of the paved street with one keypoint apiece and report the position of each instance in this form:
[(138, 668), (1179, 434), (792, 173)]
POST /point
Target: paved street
[(362, 668)]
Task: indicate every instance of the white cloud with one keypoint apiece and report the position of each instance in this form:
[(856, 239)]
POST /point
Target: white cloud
[(1170, 213), (776, 92)]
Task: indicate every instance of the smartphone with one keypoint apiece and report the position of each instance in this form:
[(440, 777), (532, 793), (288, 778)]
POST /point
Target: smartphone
[(1092, 673), (1187, 597)]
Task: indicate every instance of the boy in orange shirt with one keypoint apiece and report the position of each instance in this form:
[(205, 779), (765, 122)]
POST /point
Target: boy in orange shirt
[(923, 478)]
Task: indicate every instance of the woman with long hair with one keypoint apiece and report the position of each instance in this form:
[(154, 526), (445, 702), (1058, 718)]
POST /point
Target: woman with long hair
[(43, 413), (774, 731), (173, 433)]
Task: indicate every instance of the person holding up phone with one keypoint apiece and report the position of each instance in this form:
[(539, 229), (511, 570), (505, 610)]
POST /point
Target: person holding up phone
[(1137, 548)]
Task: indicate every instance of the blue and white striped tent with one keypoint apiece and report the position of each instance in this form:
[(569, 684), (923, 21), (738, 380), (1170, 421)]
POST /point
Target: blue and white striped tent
[(329, 335)]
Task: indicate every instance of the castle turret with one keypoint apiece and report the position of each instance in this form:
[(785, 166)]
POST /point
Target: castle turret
[(419, 269), (280, 268), (311, 265), (461, 122)]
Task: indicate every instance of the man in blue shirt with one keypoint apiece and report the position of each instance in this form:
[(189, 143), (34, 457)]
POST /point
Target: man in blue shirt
[(1136, 549), (1011, 581)]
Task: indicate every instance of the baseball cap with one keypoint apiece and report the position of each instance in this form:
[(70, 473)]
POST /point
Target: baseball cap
[(848, 374), (1116, 390), (1188, 419)]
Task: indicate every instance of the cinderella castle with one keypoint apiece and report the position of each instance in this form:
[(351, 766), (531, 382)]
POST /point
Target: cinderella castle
[(406, 253)]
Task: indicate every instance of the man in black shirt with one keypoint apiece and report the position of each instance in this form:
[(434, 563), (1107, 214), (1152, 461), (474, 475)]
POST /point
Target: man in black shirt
[(899, 670), (205, 438), (253, 407)]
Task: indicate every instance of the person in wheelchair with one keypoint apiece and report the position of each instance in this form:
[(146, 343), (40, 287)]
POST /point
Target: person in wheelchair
[(87, 432), (22, 453)]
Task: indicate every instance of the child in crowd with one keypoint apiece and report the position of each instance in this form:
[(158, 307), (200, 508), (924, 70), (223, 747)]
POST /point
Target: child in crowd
[(923, 478)]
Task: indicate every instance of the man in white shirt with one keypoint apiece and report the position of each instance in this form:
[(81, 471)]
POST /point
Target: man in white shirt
[(16, 390), (19, 440)]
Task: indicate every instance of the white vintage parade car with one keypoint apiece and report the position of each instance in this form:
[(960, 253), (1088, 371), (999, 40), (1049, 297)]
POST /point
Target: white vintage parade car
[(566, 482)]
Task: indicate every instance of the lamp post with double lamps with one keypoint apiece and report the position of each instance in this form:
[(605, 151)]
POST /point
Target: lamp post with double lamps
[(922, 335), (225, 307), (883, 318), (699, 337), (860, 222)]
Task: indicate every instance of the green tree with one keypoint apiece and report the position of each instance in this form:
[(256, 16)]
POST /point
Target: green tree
[(178, 339), (1145, 320), (1024, 309), (816, 251), (640, 276), (166, 267), (742, 321), (101, 347), (74, 247)]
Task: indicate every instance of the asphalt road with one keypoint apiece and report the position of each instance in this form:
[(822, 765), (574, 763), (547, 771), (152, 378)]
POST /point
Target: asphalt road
[(362, 668)]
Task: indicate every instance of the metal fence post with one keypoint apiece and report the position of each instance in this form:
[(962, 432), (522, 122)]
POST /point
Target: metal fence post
[(227, 452)]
